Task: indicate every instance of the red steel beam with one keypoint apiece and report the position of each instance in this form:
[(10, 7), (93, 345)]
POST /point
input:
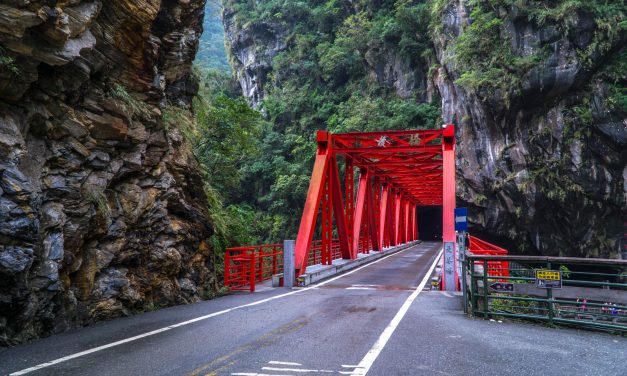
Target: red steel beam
[(448, 197), (372, 224), (310, 211), (349, 186), (359, 210), (394, 149), (382, 216), (397, 218), (338, 210), (407, 222)]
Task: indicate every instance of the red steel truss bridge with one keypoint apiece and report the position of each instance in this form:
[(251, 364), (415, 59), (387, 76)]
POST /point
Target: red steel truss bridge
[(363, 196)]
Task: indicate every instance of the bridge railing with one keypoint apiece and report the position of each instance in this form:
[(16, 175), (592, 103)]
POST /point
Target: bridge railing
[(478, 246), (246, 266), (591, 293)]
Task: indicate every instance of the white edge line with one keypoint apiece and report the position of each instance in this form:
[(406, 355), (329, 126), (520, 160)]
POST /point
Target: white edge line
[(183, 323), (373, 353), (284, 363)]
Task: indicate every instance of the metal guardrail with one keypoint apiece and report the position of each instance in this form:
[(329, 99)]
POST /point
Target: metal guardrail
[(592, 292)]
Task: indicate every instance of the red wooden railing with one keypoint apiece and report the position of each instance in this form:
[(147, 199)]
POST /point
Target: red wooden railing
[(481, 247), (246, 266)]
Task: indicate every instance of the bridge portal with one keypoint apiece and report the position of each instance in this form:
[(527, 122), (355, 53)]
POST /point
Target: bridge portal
[(387, 177)]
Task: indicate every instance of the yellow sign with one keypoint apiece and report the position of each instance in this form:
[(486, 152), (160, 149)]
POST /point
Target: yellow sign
[(549, 275)]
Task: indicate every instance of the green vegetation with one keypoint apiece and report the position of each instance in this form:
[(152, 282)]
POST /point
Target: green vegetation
[(8, 63), (222, 130), (99, 200), (488, 65), (211, 53), (615, 75), (323, 80), (486, 59), (132, 107)]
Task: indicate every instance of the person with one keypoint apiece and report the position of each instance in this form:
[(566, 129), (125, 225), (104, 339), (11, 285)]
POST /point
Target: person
[(583, 305), (614, 309), (605, 309), (578, 305)]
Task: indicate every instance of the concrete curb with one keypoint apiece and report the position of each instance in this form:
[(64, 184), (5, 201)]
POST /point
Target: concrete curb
[(339, 266)]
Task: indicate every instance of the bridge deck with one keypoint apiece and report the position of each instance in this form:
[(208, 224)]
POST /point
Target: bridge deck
[(328, 327)]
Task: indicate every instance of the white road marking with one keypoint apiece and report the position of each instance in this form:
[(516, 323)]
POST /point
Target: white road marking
[(373, 354), (360, 288), (201, 318), (284, 363), (256, 374), (348, 372), (289, 369)]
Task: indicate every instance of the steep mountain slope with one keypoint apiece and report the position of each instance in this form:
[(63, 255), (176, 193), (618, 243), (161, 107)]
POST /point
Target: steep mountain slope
[(211, 52), (102, 208), (536, 88)]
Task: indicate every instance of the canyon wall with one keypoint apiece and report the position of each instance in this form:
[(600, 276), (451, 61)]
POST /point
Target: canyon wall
[(102, 206)]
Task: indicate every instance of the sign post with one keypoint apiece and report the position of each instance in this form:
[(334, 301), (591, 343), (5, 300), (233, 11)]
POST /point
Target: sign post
[(449, 266), (461, 226), (289, 268), (461, 219)]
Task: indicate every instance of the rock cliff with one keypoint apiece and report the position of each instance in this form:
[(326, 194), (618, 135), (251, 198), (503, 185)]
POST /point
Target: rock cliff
[(102, 208), (535, 92), (542, 158)]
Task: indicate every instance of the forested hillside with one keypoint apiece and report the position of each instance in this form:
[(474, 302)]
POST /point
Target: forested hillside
[(324, 81), (211, 53)]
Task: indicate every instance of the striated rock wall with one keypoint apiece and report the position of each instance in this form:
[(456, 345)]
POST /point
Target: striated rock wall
[(542, 164), (102, 207), (251, 50)]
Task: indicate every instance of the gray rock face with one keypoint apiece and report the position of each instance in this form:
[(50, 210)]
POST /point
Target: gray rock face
[(538, 176), (252, 50), (102, 210), (542, 168)]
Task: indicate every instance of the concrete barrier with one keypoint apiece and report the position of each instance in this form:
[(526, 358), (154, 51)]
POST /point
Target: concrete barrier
[(316, 273)]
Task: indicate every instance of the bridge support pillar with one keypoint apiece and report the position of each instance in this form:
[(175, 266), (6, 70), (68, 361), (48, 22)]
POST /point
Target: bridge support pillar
[(450, 278)]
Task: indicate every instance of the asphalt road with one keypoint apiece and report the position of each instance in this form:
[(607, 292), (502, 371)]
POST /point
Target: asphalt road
[(336, 327)]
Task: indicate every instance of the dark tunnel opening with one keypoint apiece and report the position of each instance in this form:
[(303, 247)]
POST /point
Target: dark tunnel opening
[(430, 223)]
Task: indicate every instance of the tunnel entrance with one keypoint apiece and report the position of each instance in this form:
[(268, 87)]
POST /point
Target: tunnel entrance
[(430, 223)]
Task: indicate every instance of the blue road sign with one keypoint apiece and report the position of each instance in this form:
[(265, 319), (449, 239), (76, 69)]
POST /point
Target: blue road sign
[(461, 222)]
